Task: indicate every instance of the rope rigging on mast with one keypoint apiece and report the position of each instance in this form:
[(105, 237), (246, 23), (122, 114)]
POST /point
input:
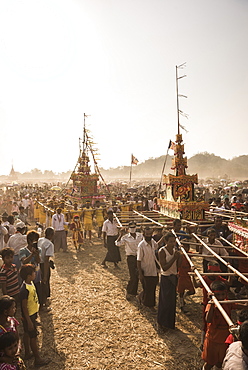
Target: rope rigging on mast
[(85, 182)]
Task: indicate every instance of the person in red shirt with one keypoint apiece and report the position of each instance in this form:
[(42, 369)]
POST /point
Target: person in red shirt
[(214, 347), (214, 267), (184, 286)]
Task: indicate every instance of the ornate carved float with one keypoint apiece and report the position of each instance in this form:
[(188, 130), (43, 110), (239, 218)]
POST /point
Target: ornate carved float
[(177, 196), (85, 182)]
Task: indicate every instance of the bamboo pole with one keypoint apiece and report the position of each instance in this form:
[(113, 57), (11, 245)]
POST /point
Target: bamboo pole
[(196, 272), (187, 221), (46, 208), (192, 243), (233, 212), (219, 214), (202, 224), (234, 246), (204, 284), (150, 219), (218, 273), (117, 219), (210, 256), (221, 259), (232, 301)]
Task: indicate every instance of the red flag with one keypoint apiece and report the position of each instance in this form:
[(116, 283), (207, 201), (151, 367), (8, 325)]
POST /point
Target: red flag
[(134, 160)]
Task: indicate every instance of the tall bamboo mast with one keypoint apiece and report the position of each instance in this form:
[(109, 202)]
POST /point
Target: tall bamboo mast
[(178, 125), (178, 110), (84, 135)]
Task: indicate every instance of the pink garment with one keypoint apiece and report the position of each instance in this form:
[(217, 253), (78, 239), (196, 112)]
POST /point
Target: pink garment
[(8, 367), (13, 326)]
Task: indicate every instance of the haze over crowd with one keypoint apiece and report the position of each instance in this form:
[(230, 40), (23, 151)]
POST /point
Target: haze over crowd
[(206, 165), (115, 61)]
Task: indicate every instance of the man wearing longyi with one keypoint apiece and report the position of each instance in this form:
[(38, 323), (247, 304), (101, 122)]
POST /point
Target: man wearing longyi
[(110, 234), (60, 239), (131, 241)]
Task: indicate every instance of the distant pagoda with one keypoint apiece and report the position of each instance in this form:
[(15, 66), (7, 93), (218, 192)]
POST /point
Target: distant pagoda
[(12, 175), (85, 183), (177, 196)]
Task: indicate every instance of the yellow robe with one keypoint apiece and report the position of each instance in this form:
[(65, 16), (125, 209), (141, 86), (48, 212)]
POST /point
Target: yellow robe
[(42, 215), (99, 216), (87, 218)]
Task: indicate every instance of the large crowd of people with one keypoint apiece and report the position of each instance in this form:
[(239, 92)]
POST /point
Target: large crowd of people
[(35, 225)]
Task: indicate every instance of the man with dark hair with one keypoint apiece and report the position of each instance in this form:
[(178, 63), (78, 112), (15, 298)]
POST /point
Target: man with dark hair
[(216, 246), (18, 241), (58, 223), (147, 268), (131, 241), (22, 215), (9, 274), (47, 251), (181, 234), (237, 354), (3, 232), (220, 228), (110, 234)]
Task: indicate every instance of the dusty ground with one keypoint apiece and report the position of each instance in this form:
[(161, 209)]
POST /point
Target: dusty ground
[(93, 326)]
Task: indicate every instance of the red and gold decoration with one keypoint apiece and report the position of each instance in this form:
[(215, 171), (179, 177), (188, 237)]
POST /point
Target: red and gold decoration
[(84, 182), (239, 228), (177, 198)]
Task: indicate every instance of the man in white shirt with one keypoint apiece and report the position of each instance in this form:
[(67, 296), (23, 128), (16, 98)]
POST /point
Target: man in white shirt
[(18, 241), (3, 231), (47, 251), (131, 242), (148, 268), (110, 234), (25, 204), (237, 354), (60, 239)]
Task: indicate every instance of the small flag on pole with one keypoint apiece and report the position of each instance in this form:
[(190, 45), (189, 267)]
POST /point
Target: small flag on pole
[(134, 160), (172, 145)]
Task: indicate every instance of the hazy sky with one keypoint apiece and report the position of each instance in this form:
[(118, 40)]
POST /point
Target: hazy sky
[(115, 61)]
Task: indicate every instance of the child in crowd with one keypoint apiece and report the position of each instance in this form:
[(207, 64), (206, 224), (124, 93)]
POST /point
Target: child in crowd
[(31, 254), (7, 321), (169, 259), (77, 232), (9, 274), (7, 312), (213, 267), (214, 348), (184, 286), (10, 359), (30, 308)]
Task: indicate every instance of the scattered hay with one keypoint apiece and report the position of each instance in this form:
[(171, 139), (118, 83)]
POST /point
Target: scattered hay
[(93, 326)]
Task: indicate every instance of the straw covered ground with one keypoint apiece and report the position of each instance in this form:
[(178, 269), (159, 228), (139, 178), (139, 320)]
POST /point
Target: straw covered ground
[(93, 326)]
